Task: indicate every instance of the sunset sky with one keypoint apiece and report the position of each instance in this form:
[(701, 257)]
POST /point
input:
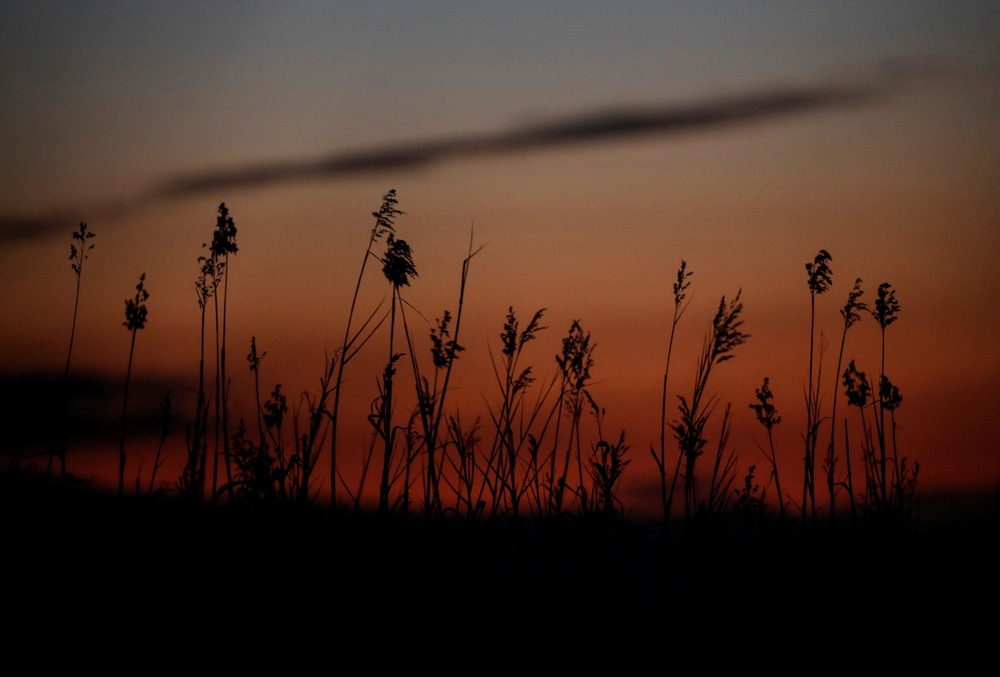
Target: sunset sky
[(586, 147)]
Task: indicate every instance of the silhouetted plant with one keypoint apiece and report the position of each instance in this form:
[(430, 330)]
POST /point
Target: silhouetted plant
[(468, 486), (384, 224), (223, 244), (398, 269), (431, 397), (513, 381), (605, 467), (750, 499), (77, 255), (723, 474), (858, 392), (135, 319), (820, 278), (723, 338), (767, 416), (885, 313), (851, 314), (274, 415), (290, 474), (680, 287), (256, 479), (192, 480), (574, 362)]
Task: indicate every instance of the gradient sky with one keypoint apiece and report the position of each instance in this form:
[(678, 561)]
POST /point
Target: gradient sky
[(587, 147)]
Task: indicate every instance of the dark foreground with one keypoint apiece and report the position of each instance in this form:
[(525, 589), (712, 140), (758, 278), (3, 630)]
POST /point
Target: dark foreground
[(185, 573)]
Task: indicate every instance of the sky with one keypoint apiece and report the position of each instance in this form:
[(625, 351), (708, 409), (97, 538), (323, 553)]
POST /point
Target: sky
[(583, 150)]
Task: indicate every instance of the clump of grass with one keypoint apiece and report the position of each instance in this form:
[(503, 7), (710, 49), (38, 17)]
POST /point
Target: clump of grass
[(605, 468), (575, 362), (135, 319), (890, 486), (751, 500), (724, 336), (513, 419), (431, 397)]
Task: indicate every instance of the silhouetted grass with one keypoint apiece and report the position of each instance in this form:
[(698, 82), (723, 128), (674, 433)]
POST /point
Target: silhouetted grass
[(520, 518)]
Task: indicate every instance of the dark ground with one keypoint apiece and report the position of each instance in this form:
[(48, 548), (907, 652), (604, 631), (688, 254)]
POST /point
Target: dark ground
[(162, 568)]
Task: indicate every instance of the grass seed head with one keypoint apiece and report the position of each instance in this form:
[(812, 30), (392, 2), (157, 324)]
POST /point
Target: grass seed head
[(820, 274), (135, 308)]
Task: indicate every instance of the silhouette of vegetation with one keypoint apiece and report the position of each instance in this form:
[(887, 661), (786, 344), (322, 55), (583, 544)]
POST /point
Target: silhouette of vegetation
[(724, 336), (223, 244), (78, 253), (851, 314), (767, 416), (820, 278), (525, 507), (135, 319), (680, 287), (532, 495)]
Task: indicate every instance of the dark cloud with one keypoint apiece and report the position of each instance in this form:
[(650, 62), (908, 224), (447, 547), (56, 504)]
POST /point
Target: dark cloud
[(590, 128), (596, 127)]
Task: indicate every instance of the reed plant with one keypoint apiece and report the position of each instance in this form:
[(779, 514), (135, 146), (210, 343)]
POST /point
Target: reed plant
[(820, 277), (851, 315), (191, 483), (398, 269), (222, 246), (680, 287), (135, 319), (78, 253), (333, 381)]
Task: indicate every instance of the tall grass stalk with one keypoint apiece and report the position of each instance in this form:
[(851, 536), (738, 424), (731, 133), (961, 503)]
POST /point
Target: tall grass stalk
[(680, 286), (135, 319), (886, 312), (398, 269), (820, 277), (223, 244), (192, 480), (851, 314), (385, 219), (77, 255)]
